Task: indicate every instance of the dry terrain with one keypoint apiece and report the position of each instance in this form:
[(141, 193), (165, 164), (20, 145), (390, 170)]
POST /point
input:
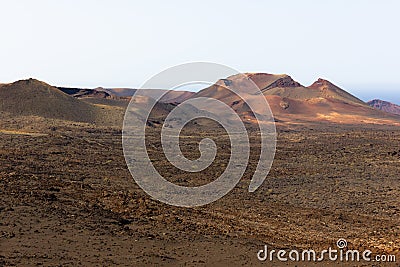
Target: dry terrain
[(67, 198)]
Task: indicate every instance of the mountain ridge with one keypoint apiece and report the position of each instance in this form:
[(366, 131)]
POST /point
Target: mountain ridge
[(290, 101)]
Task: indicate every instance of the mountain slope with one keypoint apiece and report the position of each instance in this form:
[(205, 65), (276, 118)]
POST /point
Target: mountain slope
[(35, 98), (385, 106), (327, 89), (279, 85)]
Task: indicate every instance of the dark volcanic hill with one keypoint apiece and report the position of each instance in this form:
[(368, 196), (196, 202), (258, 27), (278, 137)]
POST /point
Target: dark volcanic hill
[(35, 98), (170, 96), (385, 106), (98, 92)]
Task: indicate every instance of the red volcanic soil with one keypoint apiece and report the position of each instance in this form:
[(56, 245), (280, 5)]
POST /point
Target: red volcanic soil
[(326, 110)]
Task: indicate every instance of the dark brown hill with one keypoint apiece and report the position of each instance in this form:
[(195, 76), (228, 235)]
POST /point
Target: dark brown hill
[(35, 98), (125, 94)]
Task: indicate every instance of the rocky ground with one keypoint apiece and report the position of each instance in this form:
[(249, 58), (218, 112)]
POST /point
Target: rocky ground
[(67, 198)]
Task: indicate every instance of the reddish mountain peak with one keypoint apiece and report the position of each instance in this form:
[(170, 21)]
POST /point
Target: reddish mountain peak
[(330, 90), (251, 75), (284, 82), (321, 84), (258, 74), (263, 80)]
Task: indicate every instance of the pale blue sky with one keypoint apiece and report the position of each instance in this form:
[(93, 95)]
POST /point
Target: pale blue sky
[(355, 44)]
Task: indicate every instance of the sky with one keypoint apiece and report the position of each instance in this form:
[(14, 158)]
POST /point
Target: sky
[(354, 44)]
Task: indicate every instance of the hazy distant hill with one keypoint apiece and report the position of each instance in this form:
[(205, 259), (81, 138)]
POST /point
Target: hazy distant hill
[(385, 106)]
